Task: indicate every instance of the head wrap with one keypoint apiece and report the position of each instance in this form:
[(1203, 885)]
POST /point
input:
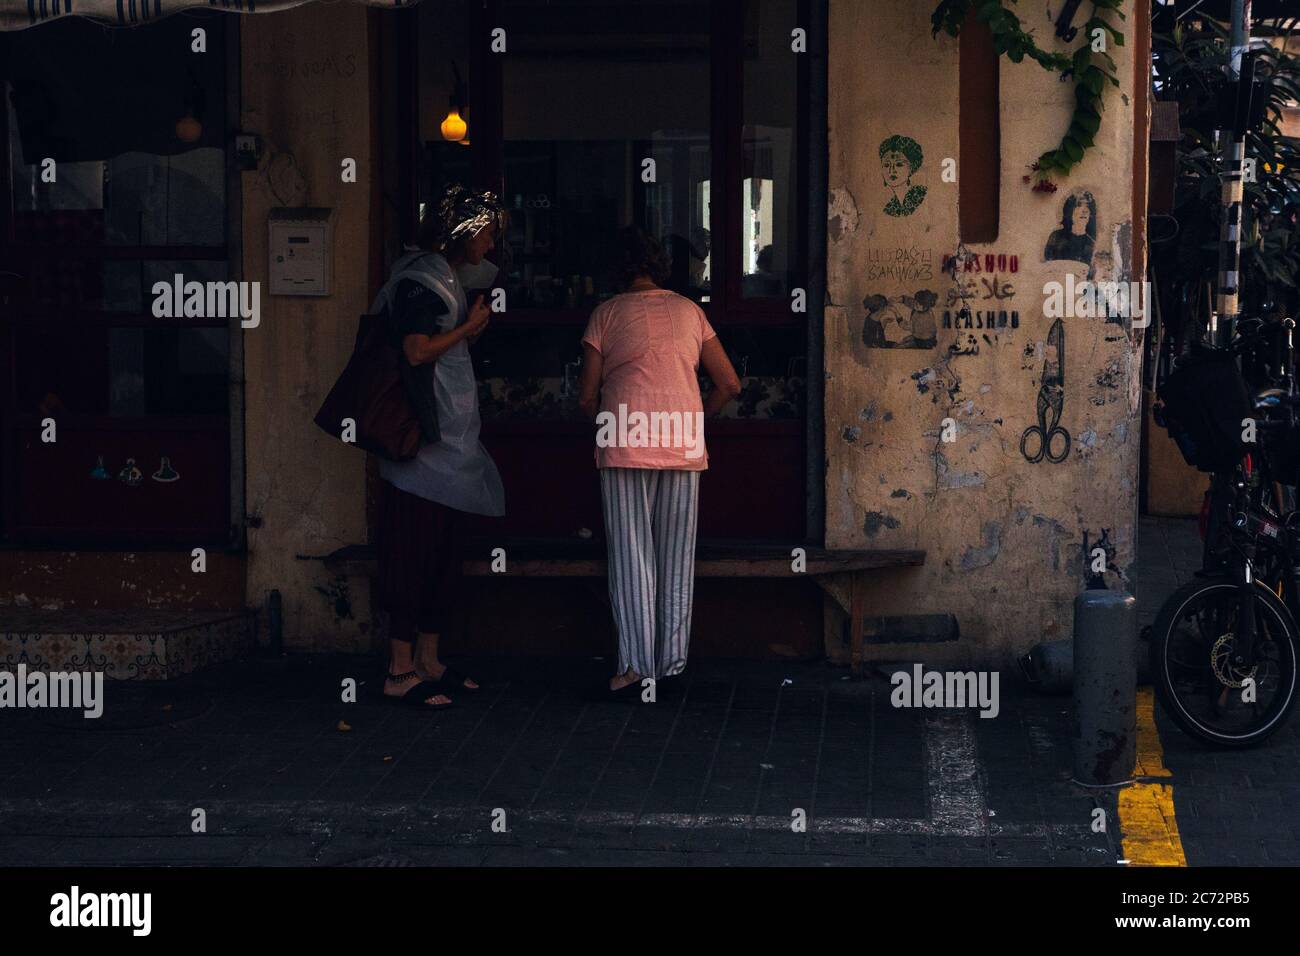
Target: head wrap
[(909, 147), (463, 211)]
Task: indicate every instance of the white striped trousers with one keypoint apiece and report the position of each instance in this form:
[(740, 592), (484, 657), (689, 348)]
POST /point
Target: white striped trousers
[(650, 536)]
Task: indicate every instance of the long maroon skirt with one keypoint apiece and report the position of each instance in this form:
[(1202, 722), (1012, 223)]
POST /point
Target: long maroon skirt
[(420, 545)]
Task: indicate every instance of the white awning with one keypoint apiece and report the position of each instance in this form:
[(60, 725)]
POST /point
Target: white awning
[(19, 14)]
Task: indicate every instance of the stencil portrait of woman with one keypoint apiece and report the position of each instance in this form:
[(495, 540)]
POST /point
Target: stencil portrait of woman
[(1077, 237), (900, 160)]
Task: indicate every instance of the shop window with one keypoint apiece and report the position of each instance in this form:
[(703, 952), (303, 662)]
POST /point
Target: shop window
[(135, 126)]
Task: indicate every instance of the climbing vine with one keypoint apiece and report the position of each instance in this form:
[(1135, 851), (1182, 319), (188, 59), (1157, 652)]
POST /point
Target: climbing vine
[(1090, 68)]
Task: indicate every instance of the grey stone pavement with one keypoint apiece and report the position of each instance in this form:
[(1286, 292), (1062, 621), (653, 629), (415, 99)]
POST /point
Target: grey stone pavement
[(716, 772)]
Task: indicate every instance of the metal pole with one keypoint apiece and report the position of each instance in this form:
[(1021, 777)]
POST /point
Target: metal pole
[(1232, 146)]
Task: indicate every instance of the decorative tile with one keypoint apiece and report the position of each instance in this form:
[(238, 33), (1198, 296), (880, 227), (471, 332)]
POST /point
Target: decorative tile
[(124, 645)]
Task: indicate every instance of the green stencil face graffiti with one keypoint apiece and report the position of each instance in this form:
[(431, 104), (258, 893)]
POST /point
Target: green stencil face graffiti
[(900, 160)]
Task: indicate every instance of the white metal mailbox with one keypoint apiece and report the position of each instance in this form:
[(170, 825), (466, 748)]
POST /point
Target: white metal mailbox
[(301, 250)]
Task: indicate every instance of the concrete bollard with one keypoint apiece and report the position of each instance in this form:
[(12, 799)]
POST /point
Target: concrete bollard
[(1105, 688)]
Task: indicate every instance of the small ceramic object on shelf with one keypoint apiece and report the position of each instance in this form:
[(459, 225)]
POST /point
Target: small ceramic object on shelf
[(165, 471), (130, 474)]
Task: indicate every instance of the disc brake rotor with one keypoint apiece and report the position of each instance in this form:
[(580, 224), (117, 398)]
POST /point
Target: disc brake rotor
[(1229, 675)]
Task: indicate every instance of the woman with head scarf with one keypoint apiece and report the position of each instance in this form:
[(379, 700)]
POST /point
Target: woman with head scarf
[(900, 159), (424, 500)]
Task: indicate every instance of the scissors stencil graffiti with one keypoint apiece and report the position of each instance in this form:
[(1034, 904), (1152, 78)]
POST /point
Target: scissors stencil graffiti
[(1052, 441)]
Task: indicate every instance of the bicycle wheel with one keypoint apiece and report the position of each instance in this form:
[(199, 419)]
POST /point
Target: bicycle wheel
[(1201, 687)]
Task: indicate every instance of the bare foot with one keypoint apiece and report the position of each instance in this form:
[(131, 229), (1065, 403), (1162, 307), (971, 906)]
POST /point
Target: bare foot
[(622, 680)]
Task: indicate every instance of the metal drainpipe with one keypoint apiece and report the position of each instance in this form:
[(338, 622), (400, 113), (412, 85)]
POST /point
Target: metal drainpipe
[(1232, 146)]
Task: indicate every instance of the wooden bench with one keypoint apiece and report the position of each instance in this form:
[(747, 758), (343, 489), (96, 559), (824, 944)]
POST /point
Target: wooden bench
[(585, 558)]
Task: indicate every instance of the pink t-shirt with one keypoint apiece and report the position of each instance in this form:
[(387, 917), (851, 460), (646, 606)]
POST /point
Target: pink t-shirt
[(651, 413)]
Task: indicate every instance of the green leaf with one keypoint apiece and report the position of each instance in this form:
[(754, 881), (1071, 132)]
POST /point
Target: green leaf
[(1072, 148), (1080, 135), (1097, 22)]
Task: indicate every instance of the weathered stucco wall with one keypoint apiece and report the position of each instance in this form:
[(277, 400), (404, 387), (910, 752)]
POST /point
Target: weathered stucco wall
[(1005, 536), (306, 92)]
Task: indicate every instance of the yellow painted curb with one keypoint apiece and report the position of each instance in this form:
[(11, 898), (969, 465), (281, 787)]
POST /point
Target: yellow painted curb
[(1146, 810), (1150, 755)]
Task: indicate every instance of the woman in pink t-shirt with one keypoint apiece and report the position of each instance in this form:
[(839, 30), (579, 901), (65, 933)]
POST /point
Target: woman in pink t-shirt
[(641, 355)]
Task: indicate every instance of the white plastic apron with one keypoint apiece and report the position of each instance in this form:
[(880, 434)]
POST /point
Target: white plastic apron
[(456, 471)]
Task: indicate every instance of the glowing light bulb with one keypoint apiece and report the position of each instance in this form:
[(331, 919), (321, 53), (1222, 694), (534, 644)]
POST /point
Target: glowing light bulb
[(188, 129), (453, 127)]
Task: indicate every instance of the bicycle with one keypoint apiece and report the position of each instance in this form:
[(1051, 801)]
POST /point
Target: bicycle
[(1224, 646)]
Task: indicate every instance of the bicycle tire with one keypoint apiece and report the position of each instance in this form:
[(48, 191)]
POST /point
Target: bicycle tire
[(1162, 631)]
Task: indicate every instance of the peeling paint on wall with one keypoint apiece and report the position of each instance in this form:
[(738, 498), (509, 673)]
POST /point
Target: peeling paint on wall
[(875, 520), (946, 479), (1111, 375), (985, 555), (842, 214), (1108, 549), (1056, 533)]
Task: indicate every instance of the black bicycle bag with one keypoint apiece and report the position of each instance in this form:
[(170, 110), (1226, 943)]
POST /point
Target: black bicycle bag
[(1205, 402)]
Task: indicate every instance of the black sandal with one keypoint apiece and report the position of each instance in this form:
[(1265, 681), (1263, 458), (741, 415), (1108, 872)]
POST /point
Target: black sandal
[(628, 693), (456, 680), (418, 695)]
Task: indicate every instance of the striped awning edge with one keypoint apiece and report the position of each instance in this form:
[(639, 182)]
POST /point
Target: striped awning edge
[(20, 14)]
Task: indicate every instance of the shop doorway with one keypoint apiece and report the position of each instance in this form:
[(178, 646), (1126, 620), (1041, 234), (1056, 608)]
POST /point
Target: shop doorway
[(711, 98)]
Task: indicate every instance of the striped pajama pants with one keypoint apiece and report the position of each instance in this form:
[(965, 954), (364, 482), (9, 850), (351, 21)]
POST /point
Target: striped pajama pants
[(650, 534)]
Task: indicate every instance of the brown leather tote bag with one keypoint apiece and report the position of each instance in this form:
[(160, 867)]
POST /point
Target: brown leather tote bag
[(371, 393)]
